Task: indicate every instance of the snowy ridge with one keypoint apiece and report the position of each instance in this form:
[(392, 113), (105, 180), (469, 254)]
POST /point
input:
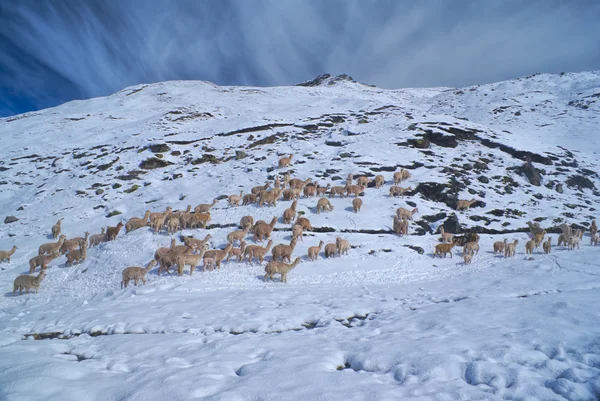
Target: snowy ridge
[(385, 321)]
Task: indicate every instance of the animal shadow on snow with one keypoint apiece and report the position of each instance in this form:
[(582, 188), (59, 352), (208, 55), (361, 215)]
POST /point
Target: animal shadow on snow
[(261, 277), (431, 254), (9, 294), (349, 209)]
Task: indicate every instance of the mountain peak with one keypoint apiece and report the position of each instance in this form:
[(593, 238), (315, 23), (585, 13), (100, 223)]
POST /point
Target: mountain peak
[(327, 80)]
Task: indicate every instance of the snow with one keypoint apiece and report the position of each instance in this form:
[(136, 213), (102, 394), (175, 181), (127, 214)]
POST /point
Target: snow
[(382, 323)]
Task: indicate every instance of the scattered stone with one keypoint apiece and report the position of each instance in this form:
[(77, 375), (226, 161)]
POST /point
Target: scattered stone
[(417, 249), (132, 189), (10, 219), (240, 154), (99, 191)]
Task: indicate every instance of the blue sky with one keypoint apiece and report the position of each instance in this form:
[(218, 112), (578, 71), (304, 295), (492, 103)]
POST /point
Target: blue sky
[(55, 51)]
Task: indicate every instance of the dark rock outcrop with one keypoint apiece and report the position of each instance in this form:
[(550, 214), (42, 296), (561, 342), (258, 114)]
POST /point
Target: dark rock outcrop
[(437, 192), (159, 148), (154, 162), (533, 174), (580, 182), (452, 225)]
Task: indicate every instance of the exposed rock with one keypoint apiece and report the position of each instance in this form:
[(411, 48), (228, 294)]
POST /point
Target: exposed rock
[(559, 188), (533, 175), (132, 189), (461, 240), (483, 179), (106, 166), (10, 219), (461, 133), (452, 225), (240, 154), (580, 182), (255, 129), (519, 154), (439, 139), (419, 143), (266, 140), (159, 148), (437, 192), (154, 162), (417, 249), (99, 191), (206, 158), (326, 79), (435, 217), (423, 228)]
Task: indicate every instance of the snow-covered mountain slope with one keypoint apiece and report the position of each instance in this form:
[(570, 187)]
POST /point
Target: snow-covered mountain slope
[(384, 321)]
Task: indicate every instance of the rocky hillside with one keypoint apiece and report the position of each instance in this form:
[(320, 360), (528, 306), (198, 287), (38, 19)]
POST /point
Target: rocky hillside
[(524, 149)]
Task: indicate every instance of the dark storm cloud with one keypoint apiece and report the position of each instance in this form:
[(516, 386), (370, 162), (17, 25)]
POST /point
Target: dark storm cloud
[(57, 50)]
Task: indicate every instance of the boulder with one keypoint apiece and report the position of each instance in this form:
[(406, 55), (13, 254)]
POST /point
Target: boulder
[(452, 225), (533, 174)]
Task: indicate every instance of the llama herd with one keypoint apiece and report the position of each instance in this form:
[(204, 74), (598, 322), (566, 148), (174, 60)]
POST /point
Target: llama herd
[(194, 252), (569, 237)]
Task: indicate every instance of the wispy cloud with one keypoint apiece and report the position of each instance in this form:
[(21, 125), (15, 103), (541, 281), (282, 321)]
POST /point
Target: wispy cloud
[(54, 51)]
